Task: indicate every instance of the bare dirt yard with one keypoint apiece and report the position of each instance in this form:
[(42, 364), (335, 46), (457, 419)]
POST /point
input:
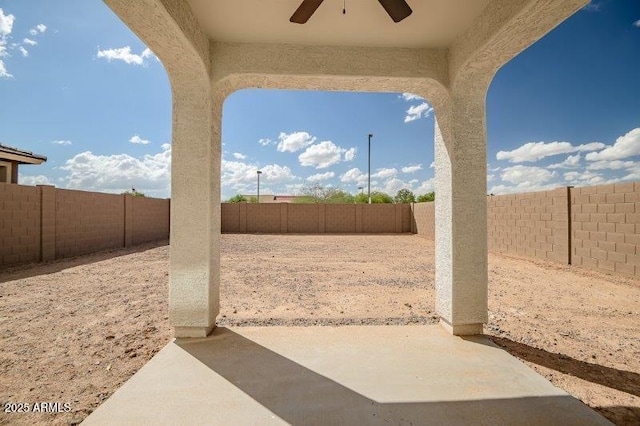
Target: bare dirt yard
[(73, 331)]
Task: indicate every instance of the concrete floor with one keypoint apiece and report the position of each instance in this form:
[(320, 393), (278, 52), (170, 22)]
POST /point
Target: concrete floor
[(339, 375)]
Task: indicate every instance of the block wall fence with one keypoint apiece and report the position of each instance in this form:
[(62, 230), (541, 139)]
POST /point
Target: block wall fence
[(40, 223), (284, 218), (594, 227)]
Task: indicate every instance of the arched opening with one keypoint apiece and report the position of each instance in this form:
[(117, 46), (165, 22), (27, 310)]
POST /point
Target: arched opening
[(326, 258)]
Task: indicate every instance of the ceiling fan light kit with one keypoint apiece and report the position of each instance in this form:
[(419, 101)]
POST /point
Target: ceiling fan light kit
[(396, 9)]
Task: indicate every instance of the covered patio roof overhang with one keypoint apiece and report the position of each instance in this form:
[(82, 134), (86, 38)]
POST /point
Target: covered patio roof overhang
[(446, 51)]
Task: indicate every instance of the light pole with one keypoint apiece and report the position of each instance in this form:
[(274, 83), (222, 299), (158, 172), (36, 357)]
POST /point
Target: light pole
[(369, 177), (259, 172)]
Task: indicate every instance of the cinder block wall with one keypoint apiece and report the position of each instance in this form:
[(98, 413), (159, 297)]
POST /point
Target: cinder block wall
[(87, 222), (606, 227), (603, 233), (149, 219), (283, 218), (19, 224), (533, 224), (44, 223), (424, 219)]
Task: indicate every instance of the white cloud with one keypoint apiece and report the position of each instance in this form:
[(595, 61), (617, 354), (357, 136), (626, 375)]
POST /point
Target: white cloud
[(266, 142), (524, 179), (321, 155), (570, 162), (33, 180), (384, 173), (40, 28), (321, 176), (411, 97), (520, 188), (3, 71), (418, 111), (239, 156), (350, 154), (135, 139), (612, 165), (637, 23), (425, 187), (243, 177), (29, 42), (61, 142), (24, 51), (625, 146), (354, 176), (275, 173), (534, 151), (124, 54), (524, 174), (585, 178), (119, 172), (6, 26), (592, 7), (411, 169), (6, 23), (292, 142)]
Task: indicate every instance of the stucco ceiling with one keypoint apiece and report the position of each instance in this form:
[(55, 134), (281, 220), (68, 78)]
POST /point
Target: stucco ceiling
[(433, 23)]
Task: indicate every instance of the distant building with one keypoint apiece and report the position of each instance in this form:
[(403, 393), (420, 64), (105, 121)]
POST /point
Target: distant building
[(10, 158)]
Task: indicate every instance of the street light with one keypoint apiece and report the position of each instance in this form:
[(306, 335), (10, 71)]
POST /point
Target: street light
[(369, 178), (361, 188), (259, 172)]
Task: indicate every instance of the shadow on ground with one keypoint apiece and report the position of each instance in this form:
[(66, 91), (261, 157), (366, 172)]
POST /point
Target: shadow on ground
[(299, 395), (35, 269), (625, 381)]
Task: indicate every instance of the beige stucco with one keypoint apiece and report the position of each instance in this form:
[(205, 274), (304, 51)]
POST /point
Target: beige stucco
[(208, 55)]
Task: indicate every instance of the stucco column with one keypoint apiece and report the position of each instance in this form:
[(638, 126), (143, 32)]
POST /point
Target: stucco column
[(461, 214), (195, 216)]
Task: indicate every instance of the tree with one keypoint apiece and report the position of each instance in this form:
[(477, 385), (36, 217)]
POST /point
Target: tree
[(404, 196), (236, 199), (431, 196), (377, 197), (134, 193), (321, 194)]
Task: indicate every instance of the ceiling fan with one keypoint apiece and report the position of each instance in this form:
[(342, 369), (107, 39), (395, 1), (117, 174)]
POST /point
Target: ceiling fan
[(397, 10)]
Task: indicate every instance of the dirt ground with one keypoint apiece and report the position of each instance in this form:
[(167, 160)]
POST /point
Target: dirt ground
[(73, 331)]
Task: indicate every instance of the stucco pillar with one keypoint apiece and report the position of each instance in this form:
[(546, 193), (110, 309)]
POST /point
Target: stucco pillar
[(195, 217), (461, 214)]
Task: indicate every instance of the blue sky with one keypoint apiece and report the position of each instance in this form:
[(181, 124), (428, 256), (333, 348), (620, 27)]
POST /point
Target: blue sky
[(78, 86)]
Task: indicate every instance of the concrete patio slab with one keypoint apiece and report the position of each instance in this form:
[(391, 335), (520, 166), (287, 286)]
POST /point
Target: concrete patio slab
[(339, 375)]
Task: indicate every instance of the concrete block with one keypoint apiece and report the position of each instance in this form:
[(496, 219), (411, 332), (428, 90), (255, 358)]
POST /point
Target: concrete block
[(625, 268), (606, 265), (607, 208), (625, 207), (616, 257), (598, 254)]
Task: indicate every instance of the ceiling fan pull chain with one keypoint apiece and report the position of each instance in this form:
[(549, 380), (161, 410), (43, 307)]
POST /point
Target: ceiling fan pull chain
[(344, 7)]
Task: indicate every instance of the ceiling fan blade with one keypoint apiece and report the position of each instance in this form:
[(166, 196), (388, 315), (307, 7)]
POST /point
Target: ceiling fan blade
[(397, 9), (304, 11)]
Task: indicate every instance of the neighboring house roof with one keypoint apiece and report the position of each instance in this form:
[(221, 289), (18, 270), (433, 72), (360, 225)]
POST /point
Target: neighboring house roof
[(264, 198), (22, 157)]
